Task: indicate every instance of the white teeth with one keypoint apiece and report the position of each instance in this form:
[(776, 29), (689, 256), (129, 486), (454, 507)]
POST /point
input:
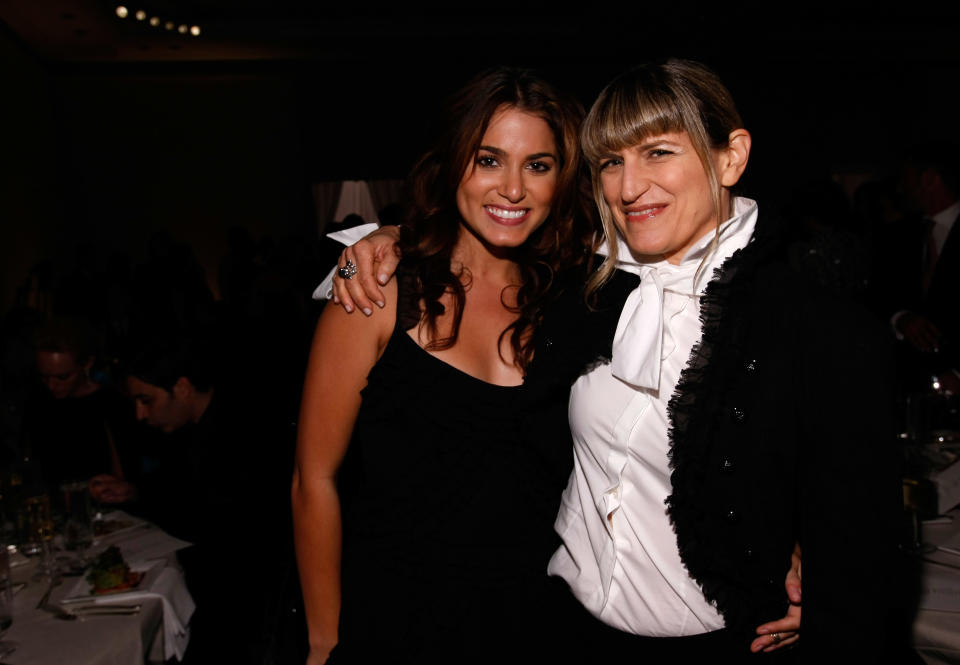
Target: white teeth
[(649, 212), (506, 214)]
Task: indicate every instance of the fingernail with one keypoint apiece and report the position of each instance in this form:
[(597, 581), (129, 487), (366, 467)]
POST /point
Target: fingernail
[(383, 278), (379, 304), (349, 308), (366, 310)]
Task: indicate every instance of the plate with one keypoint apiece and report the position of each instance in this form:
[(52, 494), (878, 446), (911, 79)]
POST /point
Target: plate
[(113, 524), (82, 591)]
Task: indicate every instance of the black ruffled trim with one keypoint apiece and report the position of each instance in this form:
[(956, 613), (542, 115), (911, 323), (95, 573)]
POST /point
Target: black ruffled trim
[(693, 410)]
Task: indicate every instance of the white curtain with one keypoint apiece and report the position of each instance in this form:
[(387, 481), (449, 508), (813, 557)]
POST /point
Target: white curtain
[(334, 200)]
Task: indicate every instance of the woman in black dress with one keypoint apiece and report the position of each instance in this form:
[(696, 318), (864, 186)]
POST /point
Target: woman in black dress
[(445, 501)]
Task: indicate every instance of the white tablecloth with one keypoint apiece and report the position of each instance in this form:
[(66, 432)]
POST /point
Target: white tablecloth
[(159, 632), (936, 628)]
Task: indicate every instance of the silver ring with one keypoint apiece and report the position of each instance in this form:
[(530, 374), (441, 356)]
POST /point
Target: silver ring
[(776, 637), (348, 271)]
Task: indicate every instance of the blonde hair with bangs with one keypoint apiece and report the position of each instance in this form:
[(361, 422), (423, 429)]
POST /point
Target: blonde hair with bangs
[(649, 100)]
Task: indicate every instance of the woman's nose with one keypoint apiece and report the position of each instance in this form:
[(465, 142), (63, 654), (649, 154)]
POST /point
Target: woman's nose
[(511, 186), (634, 183)]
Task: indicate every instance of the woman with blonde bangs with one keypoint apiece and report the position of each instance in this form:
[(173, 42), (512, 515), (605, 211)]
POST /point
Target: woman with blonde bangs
[(725, 401)]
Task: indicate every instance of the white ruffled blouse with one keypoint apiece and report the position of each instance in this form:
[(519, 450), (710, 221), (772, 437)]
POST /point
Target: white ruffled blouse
[(620, 553)]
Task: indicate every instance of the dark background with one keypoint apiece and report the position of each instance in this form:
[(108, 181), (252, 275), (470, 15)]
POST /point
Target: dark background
[(113, 129)]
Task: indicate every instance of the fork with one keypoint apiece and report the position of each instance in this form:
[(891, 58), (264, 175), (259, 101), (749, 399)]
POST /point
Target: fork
[(99, 610)]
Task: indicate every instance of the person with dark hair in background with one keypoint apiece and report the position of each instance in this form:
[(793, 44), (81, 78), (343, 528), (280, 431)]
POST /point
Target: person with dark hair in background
[(77, 428), (210, 484), (920, 282)]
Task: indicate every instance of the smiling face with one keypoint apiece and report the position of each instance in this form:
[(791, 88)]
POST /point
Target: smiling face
[(660, 195), (506, 193)]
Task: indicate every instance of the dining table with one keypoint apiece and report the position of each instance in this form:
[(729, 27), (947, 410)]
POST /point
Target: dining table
[(936, 625), (148, 623)]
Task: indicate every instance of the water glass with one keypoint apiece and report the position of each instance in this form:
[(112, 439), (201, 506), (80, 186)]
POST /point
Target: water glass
[(78, 528)]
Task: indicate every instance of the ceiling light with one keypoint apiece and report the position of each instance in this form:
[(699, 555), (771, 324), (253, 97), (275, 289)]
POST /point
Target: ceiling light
[(141, 15), (195, 30), (154, 21), (169, 25), (182, 29), (122, 11)]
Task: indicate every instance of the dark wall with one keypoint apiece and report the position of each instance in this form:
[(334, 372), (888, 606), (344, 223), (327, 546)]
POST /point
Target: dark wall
[(109, 154), (31, 213), (189, 155)]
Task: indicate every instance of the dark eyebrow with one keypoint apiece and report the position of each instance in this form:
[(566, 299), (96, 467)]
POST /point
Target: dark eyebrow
[(499, 152)]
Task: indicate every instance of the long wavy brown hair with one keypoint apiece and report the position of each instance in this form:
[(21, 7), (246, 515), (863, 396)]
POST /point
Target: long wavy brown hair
[(432, 222)]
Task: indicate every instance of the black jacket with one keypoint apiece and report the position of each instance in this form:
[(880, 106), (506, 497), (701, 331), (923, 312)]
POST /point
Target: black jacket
[(780, 434)]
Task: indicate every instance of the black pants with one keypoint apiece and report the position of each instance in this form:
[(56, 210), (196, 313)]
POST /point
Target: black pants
[(562, 632)]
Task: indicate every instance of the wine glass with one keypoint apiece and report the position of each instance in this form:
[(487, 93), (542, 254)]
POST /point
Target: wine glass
[(6, 601)]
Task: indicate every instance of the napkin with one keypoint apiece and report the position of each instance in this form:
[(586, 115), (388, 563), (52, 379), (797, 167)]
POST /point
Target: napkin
[(178, 607), (346, 237), (940, 588)]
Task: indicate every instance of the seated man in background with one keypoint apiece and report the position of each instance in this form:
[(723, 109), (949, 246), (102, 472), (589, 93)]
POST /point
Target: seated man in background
[(75, 428), (920, 283), (212, 484)]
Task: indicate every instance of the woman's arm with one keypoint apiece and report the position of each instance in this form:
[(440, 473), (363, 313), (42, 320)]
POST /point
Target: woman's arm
[(344, 350), (376, 257)]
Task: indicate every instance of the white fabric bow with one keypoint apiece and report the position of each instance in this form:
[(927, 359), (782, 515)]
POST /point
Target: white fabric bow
[(639, 337)]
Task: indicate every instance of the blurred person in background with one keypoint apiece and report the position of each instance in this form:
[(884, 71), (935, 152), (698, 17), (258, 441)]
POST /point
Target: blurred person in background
[(76, 428), (920, 256)]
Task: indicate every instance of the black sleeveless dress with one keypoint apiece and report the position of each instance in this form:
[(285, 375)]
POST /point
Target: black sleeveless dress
[(449, 492)]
